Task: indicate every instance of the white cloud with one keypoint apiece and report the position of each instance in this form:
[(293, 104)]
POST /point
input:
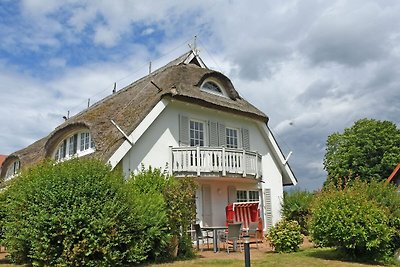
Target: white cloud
[(314, 67)]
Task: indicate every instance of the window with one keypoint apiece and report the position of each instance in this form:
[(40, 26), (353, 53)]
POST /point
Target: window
[(73, 144), (84, 141), (78, 144), (196, 133), (212, 88), (13, 169), (231, 138), (245, 196), (254, 196), (241, 196)]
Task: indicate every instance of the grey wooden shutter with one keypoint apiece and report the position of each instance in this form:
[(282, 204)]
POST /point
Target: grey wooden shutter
[(183, 130), (245, 139), (268, 208), (222, 134), (232, 196), (213, 131), (75, 143)]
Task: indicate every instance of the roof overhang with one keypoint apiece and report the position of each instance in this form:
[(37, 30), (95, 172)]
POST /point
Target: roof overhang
[(288, 177), (132, 138), (395, 172)]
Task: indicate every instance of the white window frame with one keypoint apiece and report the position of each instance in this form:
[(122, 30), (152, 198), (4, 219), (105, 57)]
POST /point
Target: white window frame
[(198, 139), (13, 170), (67, 145), (231, 138), (215, 84), (244, 195)]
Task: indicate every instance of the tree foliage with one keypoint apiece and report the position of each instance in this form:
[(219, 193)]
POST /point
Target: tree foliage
[(296, 206), (285, 236), (81, 213), (363, 219), (370, 150)]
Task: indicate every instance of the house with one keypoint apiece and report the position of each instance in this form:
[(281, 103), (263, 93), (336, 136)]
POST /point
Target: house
[(188, 119), (395, 176), (2, 158)]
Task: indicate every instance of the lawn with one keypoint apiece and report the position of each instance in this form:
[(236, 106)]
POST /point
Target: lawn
[(309, 257)]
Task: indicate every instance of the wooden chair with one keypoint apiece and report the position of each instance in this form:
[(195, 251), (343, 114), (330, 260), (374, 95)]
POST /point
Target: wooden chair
[(201, 236), (233, 234)]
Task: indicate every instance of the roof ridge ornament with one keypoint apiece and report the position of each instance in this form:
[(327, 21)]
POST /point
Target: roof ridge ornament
[(193, 47)]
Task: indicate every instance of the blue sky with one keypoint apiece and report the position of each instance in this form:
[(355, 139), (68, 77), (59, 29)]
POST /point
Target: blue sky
[(314, 67)]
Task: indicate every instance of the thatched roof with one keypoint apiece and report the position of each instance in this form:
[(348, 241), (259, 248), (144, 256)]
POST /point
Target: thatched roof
[(179, 79)]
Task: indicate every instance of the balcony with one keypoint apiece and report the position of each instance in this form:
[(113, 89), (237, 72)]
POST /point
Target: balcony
[(214, 161)]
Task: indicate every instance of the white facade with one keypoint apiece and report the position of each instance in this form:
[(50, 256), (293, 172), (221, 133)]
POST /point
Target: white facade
[(151, 146)]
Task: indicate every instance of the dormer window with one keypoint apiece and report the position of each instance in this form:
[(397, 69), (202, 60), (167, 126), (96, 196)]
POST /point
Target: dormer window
[(213, 88), (13, 169), (75, 145)]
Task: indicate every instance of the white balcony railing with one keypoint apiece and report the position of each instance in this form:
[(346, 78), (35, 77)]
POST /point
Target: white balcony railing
[(219, 161)]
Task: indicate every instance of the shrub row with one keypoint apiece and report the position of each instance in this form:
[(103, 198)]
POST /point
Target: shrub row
[(80, 213)]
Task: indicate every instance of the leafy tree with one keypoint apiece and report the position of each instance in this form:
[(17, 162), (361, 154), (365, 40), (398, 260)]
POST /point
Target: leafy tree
[(370, 150), (296, 206)]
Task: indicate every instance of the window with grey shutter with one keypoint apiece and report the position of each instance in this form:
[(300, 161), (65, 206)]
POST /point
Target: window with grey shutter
[(222, 134), (213, 132), (245, 139), (183, 130)]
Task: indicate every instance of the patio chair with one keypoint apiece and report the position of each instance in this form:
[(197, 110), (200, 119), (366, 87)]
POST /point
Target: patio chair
[(201, 236), (253, 231), (233, 234)]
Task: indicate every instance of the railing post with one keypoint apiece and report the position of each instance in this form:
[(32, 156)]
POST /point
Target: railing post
[(198, 160), (244, 161), (223, 162), (170, 160)]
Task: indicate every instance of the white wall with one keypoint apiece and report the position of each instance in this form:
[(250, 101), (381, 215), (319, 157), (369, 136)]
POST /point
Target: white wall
[(152, 149)]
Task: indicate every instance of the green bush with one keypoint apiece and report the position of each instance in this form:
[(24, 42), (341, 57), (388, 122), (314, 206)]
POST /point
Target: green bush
[(174, 210), (360, 219), (285, 236), (296, 206), (145, 190), (80, 213), (74, 213)]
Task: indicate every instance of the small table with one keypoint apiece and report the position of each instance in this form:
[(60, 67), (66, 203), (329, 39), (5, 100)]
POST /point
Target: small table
[(215, 230)]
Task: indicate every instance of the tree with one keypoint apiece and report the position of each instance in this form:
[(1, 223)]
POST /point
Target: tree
[(296, 207), (370, 150)]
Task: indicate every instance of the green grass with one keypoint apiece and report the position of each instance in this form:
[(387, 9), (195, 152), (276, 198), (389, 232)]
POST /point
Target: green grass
[(306, 258)]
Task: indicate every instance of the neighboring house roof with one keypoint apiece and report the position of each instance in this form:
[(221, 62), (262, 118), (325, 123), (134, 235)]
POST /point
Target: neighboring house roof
[(395, 174), (130, 105), (2, 158)]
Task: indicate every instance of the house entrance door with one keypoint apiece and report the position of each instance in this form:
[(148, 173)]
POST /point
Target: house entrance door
[(207, 210)]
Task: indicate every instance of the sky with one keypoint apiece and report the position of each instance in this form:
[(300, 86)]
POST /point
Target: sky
[(314, 67)]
